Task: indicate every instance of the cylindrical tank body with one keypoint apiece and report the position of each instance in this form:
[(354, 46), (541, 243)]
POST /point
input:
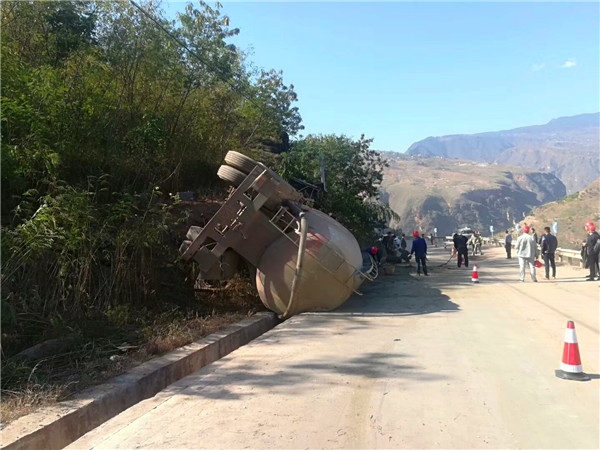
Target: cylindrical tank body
[(330, 269)]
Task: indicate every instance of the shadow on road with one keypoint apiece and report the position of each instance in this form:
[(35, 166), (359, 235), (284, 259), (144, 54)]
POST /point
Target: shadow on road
[(322, 338), (241, 380), (400, 294)]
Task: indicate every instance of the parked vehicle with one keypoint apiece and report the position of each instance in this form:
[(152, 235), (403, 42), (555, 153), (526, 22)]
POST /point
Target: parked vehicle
[(449, 240), (304, 260), (466, 231)]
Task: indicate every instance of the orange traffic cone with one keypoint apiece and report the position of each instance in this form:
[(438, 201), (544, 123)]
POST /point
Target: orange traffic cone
[(570, 367), (475, 276)]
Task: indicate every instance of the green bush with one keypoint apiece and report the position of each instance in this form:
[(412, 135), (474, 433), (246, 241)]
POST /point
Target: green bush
[(76, 254), (353, 173)]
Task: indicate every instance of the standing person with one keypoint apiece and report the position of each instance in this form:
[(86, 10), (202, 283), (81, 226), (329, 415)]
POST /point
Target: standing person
[(478, 243), (387, 242), (508, 244), (419, 248), (402, 242), (584, 256), (462, 251), (549, 245), (592, 250), (535, 236), (391, 246), (527, 252), (475, 243), (396, 243), (404, 256)]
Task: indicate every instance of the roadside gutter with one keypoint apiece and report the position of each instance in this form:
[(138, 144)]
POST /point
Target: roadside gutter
[(58, 426)]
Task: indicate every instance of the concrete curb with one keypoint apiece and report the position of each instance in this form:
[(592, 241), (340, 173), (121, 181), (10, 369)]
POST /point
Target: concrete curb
[(57, 427)]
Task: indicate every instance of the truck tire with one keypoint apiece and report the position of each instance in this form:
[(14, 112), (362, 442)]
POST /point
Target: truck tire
[(240, 162), (246, 164), (232, 176)]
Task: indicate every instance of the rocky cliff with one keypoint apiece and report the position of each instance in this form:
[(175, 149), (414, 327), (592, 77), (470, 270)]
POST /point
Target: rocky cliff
[(448, 193)]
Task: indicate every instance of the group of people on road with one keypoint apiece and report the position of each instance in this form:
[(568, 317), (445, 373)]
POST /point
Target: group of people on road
[(389, 248), (475, 243), (461, 245), (395, 247), (528, 249), (527, 252)]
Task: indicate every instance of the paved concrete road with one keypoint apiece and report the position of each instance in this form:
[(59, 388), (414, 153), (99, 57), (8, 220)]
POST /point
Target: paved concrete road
[(429, 362)]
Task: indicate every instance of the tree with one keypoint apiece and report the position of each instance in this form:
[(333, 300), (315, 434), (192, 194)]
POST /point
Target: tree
[(353, 173), (106, 108)]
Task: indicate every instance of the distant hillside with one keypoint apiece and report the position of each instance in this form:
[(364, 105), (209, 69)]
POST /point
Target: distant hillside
[(571, 213), (449, 193), (568, 147)]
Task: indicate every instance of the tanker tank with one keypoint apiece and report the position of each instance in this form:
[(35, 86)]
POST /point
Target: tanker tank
[(304, 259)]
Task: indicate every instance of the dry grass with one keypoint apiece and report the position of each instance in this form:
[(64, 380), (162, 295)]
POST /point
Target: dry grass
[(15, 404), (177, 334), (93, 361), (160, 339)]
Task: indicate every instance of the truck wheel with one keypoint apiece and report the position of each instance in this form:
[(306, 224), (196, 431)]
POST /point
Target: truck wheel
[(246, 164), (233, 176), (240, 162)]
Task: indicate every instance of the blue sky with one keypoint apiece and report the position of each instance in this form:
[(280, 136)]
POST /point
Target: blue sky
[(400, 71)]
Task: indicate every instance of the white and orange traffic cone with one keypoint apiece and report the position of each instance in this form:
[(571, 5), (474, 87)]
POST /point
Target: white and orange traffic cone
[(475, 276), (570, 367)]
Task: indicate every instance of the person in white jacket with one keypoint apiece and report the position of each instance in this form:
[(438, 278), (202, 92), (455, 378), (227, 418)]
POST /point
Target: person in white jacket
[(527, 252)]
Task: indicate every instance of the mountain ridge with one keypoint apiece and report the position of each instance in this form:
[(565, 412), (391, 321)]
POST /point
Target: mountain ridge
[(567, 147)]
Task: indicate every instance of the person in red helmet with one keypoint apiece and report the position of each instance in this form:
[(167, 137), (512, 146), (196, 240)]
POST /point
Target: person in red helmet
[(374, 252), (527, 252), (592, 248), (419, 248)]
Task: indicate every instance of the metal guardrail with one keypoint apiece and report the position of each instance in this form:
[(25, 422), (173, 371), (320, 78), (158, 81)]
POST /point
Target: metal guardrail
[(571, 257), (564, 255)]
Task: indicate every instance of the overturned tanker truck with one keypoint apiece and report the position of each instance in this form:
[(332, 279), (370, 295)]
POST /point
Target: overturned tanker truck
[(304, 259)]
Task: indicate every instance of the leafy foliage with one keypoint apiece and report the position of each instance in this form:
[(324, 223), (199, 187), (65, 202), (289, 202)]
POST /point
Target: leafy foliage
[(77, 253), (99, 87), (105, 109), (353, 173)]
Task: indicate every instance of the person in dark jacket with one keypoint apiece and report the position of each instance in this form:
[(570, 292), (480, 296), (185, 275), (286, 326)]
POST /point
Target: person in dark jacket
[(592, 253), (508, 243), (387, 243), (535, 236), (549, 244), (402, 242), (404, 256), (462, 251), (419, 249)]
